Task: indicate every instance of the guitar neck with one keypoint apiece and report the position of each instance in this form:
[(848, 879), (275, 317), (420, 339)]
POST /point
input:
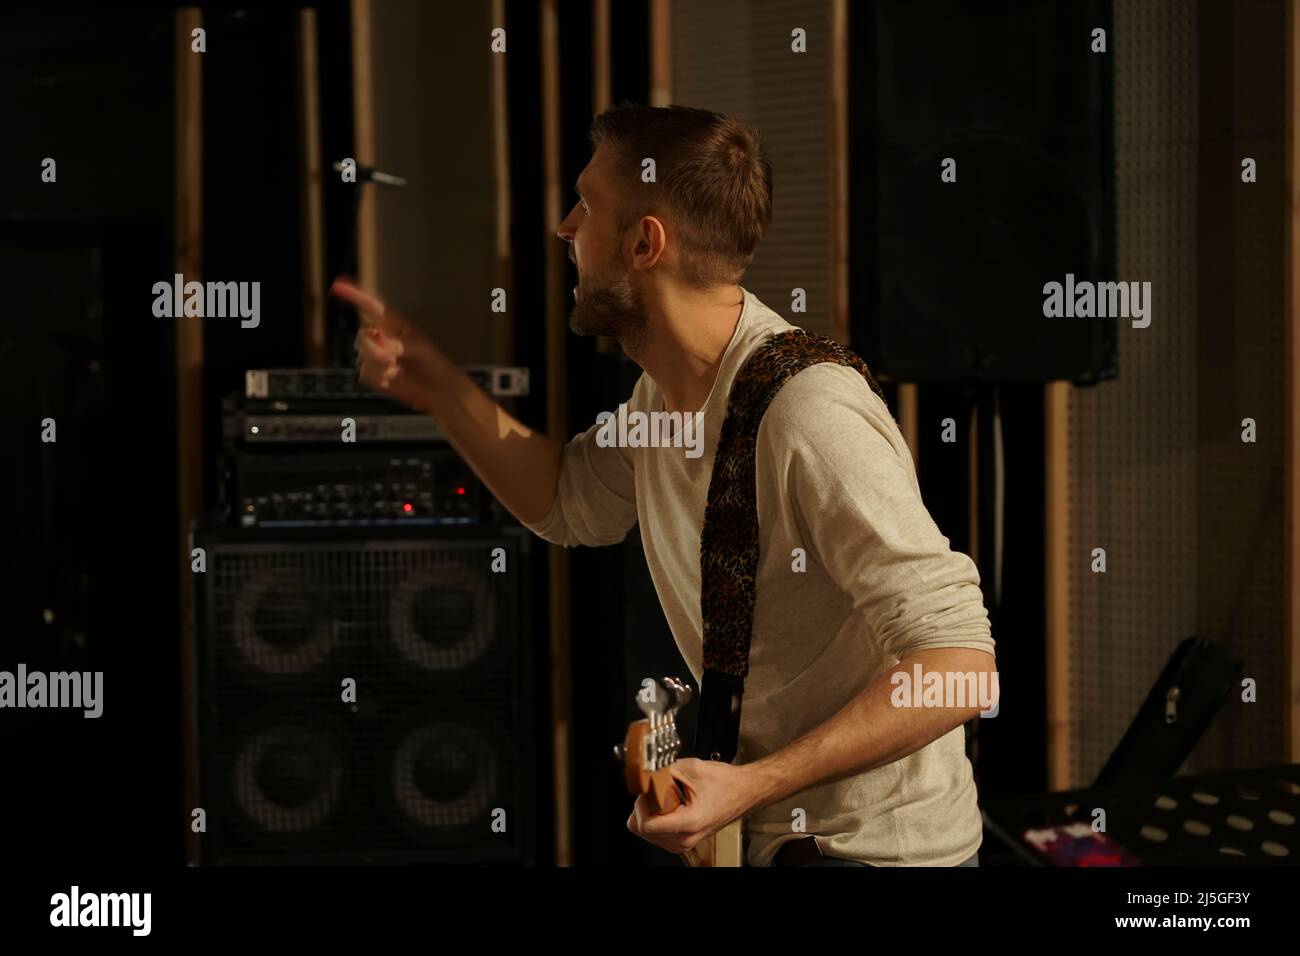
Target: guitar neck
[(648, 752)]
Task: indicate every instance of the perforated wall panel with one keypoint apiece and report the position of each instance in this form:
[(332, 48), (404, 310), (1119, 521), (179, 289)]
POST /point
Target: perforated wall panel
[(1188, 513), (734, 56)]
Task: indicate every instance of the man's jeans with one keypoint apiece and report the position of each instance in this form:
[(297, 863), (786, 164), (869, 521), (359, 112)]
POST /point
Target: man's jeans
[(974, 860)]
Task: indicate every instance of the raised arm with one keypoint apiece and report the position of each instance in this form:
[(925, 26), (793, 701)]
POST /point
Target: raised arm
[(579, 493), (520, 466)]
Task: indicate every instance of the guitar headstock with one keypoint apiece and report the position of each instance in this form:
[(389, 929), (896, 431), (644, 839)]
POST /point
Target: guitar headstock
[(652, 743)]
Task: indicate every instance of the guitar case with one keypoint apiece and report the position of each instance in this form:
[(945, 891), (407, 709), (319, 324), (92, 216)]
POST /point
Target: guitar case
[(1184, 699)]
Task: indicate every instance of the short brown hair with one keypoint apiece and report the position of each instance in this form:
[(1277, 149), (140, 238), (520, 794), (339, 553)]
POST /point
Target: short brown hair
[(710, 175)]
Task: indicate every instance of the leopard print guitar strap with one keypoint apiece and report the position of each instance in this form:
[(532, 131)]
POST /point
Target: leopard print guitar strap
[(729, 543)]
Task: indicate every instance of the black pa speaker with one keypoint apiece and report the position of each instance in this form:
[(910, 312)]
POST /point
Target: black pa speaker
[(364, 695), (949, 276)]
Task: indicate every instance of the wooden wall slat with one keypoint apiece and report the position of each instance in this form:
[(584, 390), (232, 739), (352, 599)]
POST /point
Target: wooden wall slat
[(557, 426), (311, 199), (189, 371), (1291, 576)]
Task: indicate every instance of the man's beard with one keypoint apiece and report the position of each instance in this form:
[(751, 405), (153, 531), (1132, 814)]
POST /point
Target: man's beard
[(617, 310)]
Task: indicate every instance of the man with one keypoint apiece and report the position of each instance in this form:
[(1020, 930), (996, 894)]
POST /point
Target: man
[(823, 751)]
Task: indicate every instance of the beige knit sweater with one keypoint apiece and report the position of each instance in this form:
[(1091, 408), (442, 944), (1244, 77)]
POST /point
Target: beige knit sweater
[(835, 479)]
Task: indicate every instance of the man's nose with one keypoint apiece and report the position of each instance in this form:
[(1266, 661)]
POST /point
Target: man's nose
[(566, 228)]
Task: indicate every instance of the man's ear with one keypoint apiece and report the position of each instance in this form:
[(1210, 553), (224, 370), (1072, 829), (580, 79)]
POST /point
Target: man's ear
[(651, 240)]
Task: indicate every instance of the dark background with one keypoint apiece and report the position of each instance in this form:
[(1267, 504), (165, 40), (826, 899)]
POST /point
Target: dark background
[(90, 526), (93, 533)]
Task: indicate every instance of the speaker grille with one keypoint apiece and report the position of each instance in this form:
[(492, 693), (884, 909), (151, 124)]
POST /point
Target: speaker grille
[(426, 758)]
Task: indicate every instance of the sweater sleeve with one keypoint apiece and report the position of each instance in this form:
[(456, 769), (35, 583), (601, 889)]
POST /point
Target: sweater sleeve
[(595, 499), (848, 476)]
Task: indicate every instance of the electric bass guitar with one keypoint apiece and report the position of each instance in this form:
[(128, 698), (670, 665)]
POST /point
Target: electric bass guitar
[(648, 753)]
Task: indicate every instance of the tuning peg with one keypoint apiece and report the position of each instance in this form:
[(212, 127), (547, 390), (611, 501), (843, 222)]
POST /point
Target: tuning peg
[(620, 752), (681, 691)]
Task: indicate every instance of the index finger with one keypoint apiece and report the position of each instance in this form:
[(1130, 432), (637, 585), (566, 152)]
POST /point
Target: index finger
[(354, 295), (662, 824)]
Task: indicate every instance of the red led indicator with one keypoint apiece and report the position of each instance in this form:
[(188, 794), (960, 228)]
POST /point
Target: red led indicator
[(460, 491), (408, 507)]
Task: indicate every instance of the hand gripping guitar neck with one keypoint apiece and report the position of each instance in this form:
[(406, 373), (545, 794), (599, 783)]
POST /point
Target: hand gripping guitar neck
[(648, 752)]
